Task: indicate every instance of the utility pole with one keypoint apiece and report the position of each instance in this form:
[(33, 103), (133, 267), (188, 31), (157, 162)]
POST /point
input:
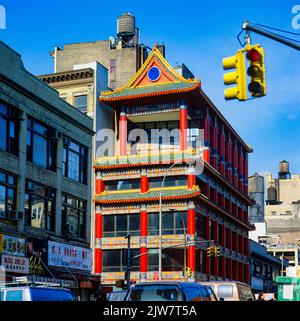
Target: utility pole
[(128, 261)]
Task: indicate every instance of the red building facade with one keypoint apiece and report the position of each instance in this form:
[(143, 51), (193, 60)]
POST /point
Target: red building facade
[(210, 205)]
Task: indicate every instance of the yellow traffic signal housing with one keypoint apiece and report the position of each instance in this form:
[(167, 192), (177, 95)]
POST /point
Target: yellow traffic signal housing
[(237, 77), (256, 71), (188, 272), (210, 251), (217, 251)]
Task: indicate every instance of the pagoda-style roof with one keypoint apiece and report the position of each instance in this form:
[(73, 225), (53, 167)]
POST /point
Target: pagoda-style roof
[(135, 196), (155, 77), (139, 160)]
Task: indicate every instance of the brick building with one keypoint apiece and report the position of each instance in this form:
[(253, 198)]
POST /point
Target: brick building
[(196, 207)]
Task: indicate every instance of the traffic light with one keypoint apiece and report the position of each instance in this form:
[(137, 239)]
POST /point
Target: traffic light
[(237, 77), (210, 251), (189, 272), (217, 251), (256, 71), (120, 283)]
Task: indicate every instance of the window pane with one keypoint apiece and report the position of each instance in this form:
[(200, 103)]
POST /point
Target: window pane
[(3, 109), (2, 177), (75, 147), (168, 221), (80, 101), (2, 200), (3, 133), (121, 224), (134, 222), (10, 199), (72, 220), (37, 211), (14, 295), (40, 151), (153, 223), (108, 223), (40, 128), (73, 166), (225, 291)]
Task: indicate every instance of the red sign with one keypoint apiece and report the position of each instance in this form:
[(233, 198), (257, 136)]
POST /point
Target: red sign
[(155, 276)]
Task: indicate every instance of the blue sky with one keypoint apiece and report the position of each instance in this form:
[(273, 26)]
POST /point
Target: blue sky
[(197, 33)]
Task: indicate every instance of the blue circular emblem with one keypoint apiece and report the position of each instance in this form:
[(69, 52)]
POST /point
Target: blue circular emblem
[(153, 73)]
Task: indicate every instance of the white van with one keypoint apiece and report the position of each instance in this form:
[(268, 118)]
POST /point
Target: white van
[(231, 291)]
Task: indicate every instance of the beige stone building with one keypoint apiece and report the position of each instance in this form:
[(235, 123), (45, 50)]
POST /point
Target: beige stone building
[(122, 55), (282, 209)]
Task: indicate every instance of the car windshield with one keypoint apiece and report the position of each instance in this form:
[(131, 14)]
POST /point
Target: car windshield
[(40, 294), (154, 293), (118, 296)]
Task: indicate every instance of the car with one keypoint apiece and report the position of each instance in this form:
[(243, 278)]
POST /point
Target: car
[(36, 293), (117, 295), (170, 291), (230, 290)]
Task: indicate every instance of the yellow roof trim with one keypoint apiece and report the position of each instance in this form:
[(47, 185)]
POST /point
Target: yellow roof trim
[(157, 53)]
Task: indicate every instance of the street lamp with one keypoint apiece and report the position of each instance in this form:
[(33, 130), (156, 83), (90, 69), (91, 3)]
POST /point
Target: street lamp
[(160, 215)]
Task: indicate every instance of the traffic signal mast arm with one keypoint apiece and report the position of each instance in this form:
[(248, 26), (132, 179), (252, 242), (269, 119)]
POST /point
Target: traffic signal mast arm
[(250, 27)]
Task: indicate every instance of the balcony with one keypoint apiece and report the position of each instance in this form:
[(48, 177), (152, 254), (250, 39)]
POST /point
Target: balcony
[(159, 157)]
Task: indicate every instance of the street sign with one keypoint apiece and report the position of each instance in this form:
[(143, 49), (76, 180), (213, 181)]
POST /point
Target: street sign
[(153, 251)]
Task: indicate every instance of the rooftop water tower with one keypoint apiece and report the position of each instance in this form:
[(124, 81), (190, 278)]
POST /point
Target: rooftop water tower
[(127, 33), (284, 170)]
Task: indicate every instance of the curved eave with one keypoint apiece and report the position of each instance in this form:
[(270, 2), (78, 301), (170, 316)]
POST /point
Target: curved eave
[(130, 165), (107, 98), (138, 198)]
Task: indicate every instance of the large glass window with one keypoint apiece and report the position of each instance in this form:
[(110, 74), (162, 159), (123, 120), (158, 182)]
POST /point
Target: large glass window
[(81, 102), (41, 149), (73, 216), (169, 181), (116, 260), (7, 194), (122, 185), (75, 161), (172, 223), (8, 129), (121, 225), (39, 206)]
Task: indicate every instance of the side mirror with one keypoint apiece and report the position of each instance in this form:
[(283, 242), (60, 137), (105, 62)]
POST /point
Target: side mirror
[(221, 299)]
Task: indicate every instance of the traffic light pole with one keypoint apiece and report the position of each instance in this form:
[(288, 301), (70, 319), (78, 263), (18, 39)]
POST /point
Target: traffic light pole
[(249, 27)]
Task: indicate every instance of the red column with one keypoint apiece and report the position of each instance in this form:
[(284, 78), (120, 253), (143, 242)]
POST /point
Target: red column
[(247, 273), (246, 174), (123, 134), (143, 244), (222, 152), (99, 185), (183, 127), (98, 237), (223, 267), (191, 177), (229, 270), (191, 229), (241, 272), (206, 131), (246, 240), (207, 233), (206, 154), (144, 182)]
